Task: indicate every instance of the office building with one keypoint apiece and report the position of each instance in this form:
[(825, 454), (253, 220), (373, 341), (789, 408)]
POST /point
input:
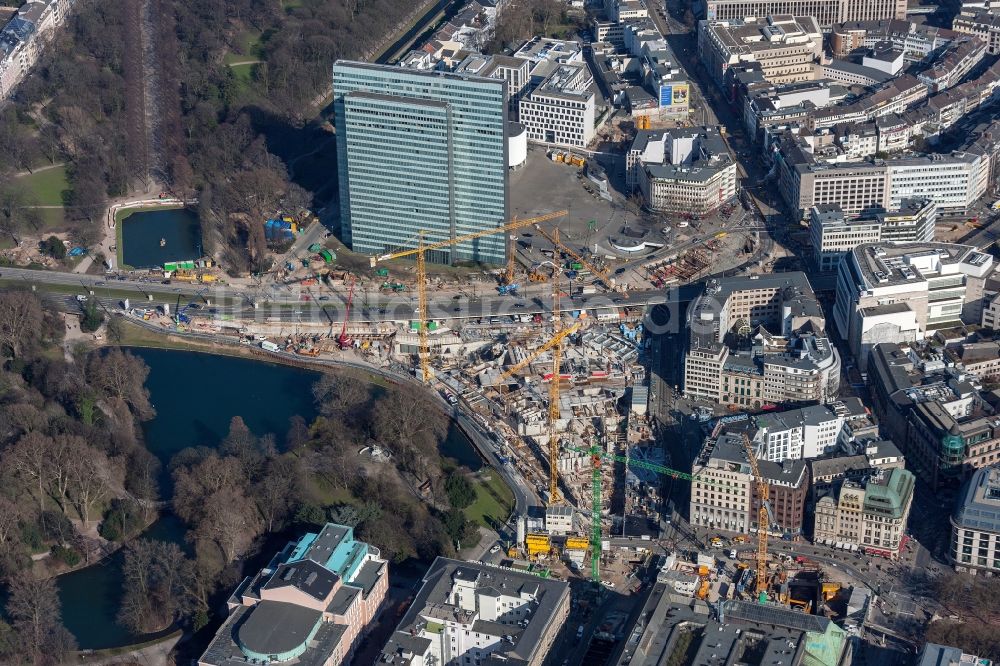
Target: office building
[(795, 434), (916, 41), (561, 108), (991, 306), (724, 495), (794, 363), (905, 291), (975, 524), (685, 170), (833, 235), (979, 359), (420, 151), (827, 12), (671, 629), (472, 613), (869, 515), (943, 655), (938, 413), (309, 605), (515, 71), (786, 47)]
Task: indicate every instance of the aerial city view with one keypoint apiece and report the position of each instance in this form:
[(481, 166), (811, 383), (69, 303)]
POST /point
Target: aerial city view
[(500, 332)]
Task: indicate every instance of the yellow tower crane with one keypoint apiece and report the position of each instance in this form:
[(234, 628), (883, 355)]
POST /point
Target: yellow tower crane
[(554, 239), (549, 344), (554, 386), (424, 352), (763, 516)]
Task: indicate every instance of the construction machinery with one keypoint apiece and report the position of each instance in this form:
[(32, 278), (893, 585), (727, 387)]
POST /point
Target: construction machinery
[(180, 314), (421, 249), (597, 458), (554, 239), (342, 340), (549, 344), (763, 517)]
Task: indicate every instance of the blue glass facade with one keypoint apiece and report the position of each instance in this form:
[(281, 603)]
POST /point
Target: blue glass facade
[(420, 151)]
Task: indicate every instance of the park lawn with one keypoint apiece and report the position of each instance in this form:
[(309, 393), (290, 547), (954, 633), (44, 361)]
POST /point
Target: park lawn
[(494, 500), (47, 186), (249, 42), (54, 219), (244, 76)]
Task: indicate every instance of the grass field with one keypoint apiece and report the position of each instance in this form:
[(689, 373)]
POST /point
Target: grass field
[(244, 74), (494, 500), (47, 186)]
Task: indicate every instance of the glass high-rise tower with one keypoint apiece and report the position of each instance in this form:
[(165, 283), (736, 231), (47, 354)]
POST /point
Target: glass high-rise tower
[(420, 151)]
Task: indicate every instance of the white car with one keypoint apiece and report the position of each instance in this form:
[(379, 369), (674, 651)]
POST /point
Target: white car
[(495, 549), (608, 584)]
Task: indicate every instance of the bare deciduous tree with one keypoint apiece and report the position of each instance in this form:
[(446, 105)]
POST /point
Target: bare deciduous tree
[(20, 321), (36, 615)]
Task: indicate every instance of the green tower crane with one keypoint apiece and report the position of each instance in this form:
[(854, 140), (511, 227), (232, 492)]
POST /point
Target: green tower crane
[(596, 460)]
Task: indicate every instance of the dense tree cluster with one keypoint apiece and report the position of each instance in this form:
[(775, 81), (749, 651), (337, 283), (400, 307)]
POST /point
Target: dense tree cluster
[(225, 139), (69, 447), (977, 602), (523, 19)]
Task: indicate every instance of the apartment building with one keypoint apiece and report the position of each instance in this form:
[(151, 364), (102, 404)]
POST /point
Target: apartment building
[(420, 151), (827, 12), (795, 434), (905, 291), (795, 363), (786, 47), (561, 108), (473, 613), (681, 170), (24, 36), (959, 57), (311, 603), (984, 25), (975, 525), (869, 515), (915, 40)]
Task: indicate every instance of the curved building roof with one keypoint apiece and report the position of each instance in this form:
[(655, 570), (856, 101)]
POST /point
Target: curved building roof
[(277, 628)]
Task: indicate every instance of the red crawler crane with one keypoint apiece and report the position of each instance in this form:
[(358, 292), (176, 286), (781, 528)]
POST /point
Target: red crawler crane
[(343, 341)]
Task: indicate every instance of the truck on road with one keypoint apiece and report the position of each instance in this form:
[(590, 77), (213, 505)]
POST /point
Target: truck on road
[(268, 346)]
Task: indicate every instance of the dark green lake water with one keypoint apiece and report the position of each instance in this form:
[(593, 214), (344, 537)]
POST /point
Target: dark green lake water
[(195, 396), (143, 231)]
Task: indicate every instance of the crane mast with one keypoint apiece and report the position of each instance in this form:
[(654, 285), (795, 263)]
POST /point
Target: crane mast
[(554, 383), (425, 351), (763, 521)]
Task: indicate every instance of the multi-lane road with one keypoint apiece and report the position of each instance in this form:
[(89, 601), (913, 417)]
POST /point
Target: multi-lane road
[(282, 303)]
